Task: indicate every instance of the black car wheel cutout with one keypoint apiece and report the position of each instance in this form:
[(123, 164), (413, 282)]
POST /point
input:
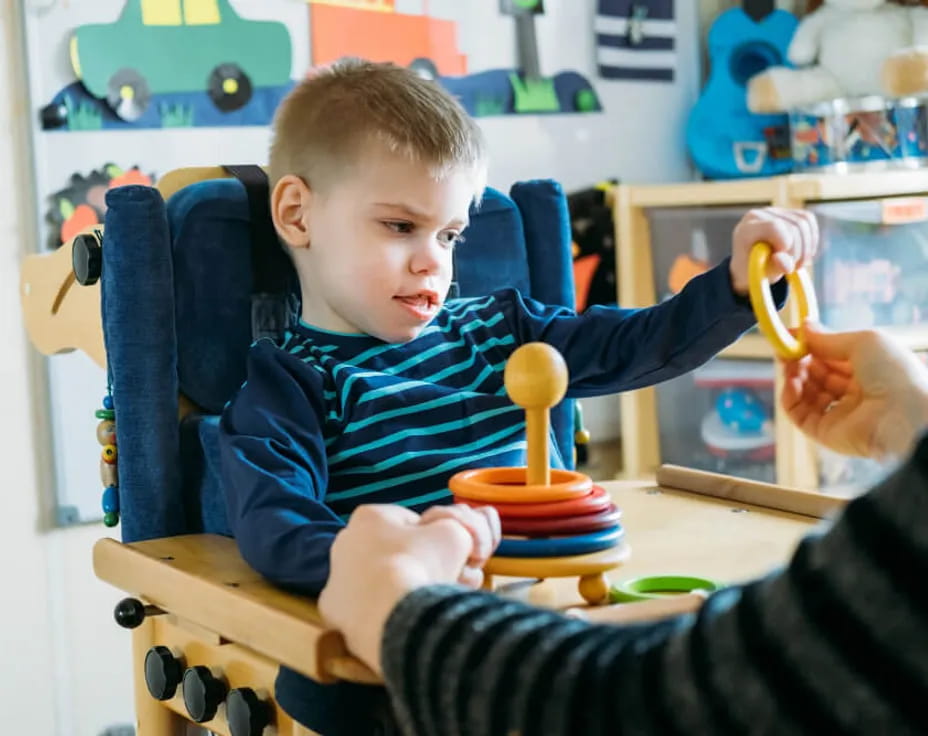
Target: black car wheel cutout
[(128, 94), (229, 87)]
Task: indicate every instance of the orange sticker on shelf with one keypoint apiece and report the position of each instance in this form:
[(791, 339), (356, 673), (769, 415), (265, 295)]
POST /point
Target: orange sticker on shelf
[(899, 210)]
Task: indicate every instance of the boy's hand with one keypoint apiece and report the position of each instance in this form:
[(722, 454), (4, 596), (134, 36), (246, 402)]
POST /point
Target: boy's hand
[(793, 235), (485, 530)]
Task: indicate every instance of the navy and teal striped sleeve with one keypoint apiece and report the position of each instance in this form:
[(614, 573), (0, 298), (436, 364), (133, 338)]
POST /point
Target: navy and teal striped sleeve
[(274, 471), (609, 350), (836, 643)]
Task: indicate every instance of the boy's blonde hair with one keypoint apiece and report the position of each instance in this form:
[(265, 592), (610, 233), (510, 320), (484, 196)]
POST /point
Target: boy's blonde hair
[(324, 125)]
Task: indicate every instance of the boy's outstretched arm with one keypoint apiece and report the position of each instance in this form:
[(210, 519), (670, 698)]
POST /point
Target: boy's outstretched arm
[(609, 350), (274, 472)]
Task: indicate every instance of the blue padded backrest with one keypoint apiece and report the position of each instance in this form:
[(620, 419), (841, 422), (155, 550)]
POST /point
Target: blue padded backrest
[(211, 244), (176, 286)]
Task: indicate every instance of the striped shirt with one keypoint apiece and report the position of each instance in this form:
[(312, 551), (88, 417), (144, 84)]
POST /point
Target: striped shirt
[(326, 422), (836, 643)]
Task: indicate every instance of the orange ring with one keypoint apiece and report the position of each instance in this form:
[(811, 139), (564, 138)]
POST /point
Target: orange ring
[(507, 485)]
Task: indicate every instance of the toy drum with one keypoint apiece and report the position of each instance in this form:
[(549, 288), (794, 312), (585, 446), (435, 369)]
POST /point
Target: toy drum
[(911, 117), (864, 133)]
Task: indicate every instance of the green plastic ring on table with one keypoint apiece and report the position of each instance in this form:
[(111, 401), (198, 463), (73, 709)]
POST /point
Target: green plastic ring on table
[(660, 586)]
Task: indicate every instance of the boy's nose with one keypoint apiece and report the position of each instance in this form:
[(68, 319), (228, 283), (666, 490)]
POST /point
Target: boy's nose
[(427, 257)]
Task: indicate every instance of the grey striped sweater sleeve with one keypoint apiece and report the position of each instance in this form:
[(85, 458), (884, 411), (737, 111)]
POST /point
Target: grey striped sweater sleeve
[(835, 643)]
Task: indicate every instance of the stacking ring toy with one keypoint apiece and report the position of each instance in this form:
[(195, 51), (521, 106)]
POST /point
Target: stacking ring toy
[(784, 344), (509, 486), (596, 500), (565, 525), (561, 546), (555, 522), (660, 586)]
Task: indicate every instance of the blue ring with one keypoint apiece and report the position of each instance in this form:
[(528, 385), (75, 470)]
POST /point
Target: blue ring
[(580, 544)]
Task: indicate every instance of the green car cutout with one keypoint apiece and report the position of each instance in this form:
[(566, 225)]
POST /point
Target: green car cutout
[(172, 46)]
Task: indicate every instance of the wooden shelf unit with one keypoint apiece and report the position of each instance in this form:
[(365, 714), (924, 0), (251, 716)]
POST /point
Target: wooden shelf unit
[(796, 457)]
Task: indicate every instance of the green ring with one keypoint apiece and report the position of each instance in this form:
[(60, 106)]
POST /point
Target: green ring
[(660, 586)]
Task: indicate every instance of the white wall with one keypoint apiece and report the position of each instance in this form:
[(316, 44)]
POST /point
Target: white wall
[(66, 664)]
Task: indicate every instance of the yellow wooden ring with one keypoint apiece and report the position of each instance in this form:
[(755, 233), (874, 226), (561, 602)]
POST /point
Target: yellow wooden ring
[(785, 345), (558, 567), (507, 485)]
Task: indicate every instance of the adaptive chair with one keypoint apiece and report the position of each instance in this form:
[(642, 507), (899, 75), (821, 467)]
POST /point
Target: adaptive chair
[(189, 274)]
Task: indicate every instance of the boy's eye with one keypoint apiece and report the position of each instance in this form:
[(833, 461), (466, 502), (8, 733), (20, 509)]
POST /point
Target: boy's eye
[(399, 226), (450, 238)]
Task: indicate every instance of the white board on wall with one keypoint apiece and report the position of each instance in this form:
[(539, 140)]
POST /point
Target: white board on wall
[(76, 384), (637, 137)]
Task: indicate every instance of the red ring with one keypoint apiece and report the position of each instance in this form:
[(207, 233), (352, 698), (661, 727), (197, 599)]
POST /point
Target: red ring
[(562, 525), (595, 500)]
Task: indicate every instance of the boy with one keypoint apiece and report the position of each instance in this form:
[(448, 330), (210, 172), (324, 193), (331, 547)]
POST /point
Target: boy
[(383, 390)]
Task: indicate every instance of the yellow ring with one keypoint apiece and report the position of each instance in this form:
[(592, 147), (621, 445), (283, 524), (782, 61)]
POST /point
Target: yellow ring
[(785, 345)]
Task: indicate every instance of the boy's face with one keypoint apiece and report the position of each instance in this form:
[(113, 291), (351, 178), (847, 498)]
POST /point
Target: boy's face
[(379, 240)]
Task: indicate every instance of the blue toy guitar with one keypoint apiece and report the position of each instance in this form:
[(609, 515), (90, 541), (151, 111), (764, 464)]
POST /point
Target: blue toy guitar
[(724, 138)]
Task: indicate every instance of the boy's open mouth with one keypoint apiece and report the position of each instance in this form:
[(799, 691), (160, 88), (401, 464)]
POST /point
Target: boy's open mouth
[(424, 299), (423, 303)]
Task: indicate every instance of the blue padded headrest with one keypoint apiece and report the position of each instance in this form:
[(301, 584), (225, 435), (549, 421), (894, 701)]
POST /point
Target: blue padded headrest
[(211, 241), (493, 255)]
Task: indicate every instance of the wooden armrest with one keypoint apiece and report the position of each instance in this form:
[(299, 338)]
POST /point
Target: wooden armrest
[(202, 579)]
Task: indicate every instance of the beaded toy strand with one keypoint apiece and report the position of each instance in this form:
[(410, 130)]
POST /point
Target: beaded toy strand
[(106, 436)]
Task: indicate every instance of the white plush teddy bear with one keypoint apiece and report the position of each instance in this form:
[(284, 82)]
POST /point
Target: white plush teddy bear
[(848, 48)]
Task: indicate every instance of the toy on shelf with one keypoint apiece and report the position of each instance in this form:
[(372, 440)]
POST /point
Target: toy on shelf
[(864, 133), (720, 418), (784, 343), (725, 139), (555, 523), (848, 48), (738, 428)]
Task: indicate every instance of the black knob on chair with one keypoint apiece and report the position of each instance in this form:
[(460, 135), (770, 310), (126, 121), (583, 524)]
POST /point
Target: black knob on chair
[(247, 714), (131, 612), (203, 692), (163, 672), (87, 259)]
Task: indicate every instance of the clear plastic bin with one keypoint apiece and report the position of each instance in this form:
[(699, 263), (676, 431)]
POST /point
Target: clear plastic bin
[(720, 418), (873, 268), (685, 241)]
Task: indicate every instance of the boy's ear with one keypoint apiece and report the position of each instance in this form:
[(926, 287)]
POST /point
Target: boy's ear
[(289, 210)]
